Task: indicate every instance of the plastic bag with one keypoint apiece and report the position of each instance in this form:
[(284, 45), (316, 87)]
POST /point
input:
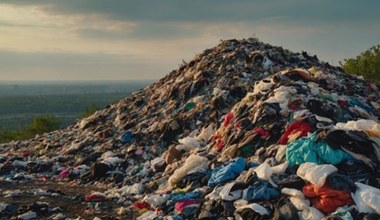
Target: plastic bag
[(193, 163), (314, 173), (206, 133), (155, 200), (367, 198), (312, 214), (188, 143)]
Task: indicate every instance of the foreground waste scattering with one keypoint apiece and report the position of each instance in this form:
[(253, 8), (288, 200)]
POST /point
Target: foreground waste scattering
[(245, 130)]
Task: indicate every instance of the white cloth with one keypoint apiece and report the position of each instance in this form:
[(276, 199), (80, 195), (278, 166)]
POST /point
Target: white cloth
[(188, 143), (206, 133), (281, 152), (311, 214), (297, 198), (360, 125), (292, 192), (155, 200), (112, 161), (263, 171), (227, 194), (367, 198), (193, 163), (314, 173), (254, 206), (262, 87), (300, 204), (147, 215)]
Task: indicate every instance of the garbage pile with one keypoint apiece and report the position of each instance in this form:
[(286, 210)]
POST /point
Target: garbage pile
[(245, 130)]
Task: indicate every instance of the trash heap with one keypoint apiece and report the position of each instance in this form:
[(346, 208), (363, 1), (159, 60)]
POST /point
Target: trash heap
[(245, 130)]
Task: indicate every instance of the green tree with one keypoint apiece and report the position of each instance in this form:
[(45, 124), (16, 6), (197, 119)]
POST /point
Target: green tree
[(366, 64)]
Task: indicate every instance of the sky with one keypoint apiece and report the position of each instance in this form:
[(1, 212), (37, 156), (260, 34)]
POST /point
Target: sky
[(141, 39)]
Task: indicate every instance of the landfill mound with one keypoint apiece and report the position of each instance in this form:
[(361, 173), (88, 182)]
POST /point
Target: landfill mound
[(245, 130)]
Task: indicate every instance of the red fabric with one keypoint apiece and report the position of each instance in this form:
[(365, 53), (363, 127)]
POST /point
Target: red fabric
[(228, 119), (237, 125), (141, 205), (95, 197), (215, 137), (44, 177), (297, 126), (219, 142), (180, 206), (262, 132), (326, 199), (294, 104), (342, 102), (219, 145), (25, 153)]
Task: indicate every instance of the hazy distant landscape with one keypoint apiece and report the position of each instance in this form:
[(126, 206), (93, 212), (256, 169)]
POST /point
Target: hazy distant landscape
[(21, 101)]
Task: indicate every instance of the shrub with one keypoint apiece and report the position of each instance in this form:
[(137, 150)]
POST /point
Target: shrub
[(366, 64)]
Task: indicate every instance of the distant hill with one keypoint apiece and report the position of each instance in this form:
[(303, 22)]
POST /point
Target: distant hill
[(21, 101)]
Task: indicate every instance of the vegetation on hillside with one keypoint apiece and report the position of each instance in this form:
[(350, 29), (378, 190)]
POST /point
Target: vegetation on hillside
[(24, 104), (89, 110), (18, 111), (39, 125), (367, 64)]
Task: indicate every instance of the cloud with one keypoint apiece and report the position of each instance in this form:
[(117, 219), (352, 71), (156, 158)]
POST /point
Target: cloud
[(141, 31), (216, 10), (12, 24), (79, 39)]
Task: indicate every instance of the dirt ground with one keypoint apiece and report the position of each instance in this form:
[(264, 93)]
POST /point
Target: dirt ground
[(68, 197)]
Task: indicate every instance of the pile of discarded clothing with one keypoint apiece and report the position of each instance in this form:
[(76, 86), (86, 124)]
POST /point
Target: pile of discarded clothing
[(245, 130)]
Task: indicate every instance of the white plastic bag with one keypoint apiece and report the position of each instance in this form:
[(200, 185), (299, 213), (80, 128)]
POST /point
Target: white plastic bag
[(263, 171), (112, 161), (254, 206), (155, 200), (367, 198), (360, 125), (206, 133), (193, 163), (147, 215), (228, 195), (312, 214), (188, 143), (267, 63), (297, 198), (314, 173), (28, 215)]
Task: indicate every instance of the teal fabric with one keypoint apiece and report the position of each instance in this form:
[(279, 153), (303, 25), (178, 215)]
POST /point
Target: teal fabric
[(307, 149), (344, 215)]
